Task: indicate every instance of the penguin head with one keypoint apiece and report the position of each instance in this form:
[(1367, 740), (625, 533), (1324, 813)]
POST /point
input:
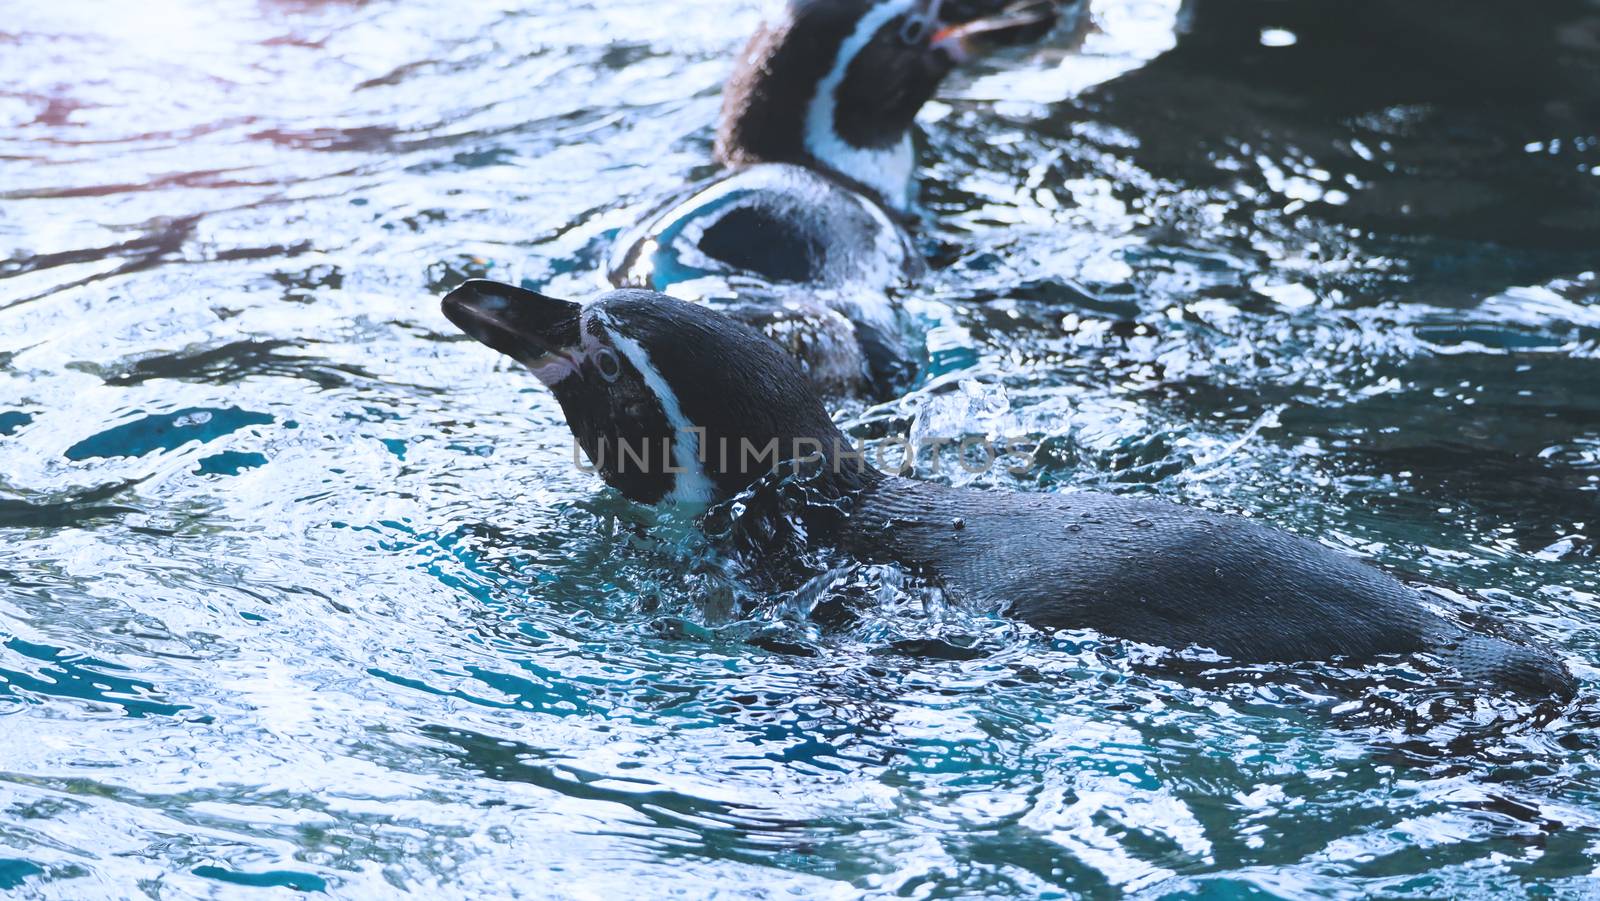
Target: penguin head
[(670, 401), (836, 83)]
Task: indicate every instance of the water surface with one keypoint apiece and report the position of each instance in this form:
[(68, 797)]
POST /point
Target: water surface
[(300, 590)]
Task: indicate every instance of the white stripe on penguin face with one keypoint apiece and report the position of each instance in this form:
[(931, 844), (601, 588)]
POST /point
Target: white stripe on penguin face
[(887, 171), (690, 485)]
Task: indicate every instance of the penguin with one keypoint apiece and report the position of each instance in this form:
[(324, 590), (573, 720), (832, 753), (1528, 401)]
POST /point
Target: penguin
[(805, 233), (676, 403)]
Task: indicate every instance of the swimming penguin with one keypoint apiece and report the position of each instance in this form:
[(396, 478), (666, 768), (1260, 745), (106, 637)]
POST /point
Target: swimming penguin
[(805, 233), (673, 401)]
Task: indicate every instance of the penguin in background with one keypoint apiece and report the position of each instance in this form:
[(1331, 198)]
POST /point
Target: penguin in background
[(805, 235)]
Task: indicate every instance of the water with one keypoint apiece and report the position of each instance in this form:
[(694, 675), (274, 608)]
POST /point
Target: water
[(301, 589)]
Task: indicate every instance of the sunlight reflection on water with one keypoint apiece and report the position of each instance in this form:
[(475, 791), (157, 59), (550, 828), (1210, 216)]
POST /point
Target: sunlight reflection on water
[(300, 588)]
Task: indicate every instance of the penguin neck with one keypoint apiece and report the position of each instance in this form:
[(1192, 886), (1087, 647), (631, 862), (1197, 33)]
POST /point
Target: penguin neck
[(782, 106), (884, 171)]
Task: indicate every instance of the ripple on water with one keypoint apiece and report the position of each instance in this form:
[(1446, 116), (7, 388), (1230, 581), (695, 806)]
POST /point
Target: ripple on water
[(301, 590)]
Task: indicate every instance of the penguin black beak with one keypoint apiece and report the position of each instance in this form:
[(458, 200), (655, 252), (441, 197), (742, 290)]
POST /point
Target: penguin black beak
[(975, 27), (522, 324)]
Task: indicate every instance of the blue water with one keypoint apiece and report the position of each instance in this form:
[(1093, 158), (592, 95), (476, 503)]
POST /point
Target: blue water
[(300, 590)]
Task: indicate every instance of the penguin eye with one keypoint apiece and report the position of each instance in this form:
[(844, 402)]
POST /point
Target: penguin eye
[(913, 30), (605, 360)]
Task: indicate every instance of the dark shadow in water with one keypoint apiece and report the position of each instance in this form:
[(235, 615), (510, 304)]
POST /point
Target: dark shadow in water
[(685, 824), (69, 675), (163, 241), (1467, 120), (162, 238), (12, 420), (233, 362), (205, 178), (72, 511), (166, 431)]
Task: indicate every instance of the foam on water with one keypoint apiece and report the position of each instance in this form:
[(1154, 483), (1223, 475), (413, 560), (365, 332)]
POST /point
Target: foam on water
[(301, 589)]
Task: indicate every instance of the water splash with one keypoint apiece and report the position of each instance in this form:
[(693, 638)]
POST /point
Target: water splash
[(385, 635)]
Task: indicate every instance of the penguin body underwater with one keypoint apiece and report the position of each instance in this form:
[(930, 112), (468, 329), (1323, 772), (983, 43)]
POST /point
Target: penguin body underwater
[(804, 235), (693, 392)]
